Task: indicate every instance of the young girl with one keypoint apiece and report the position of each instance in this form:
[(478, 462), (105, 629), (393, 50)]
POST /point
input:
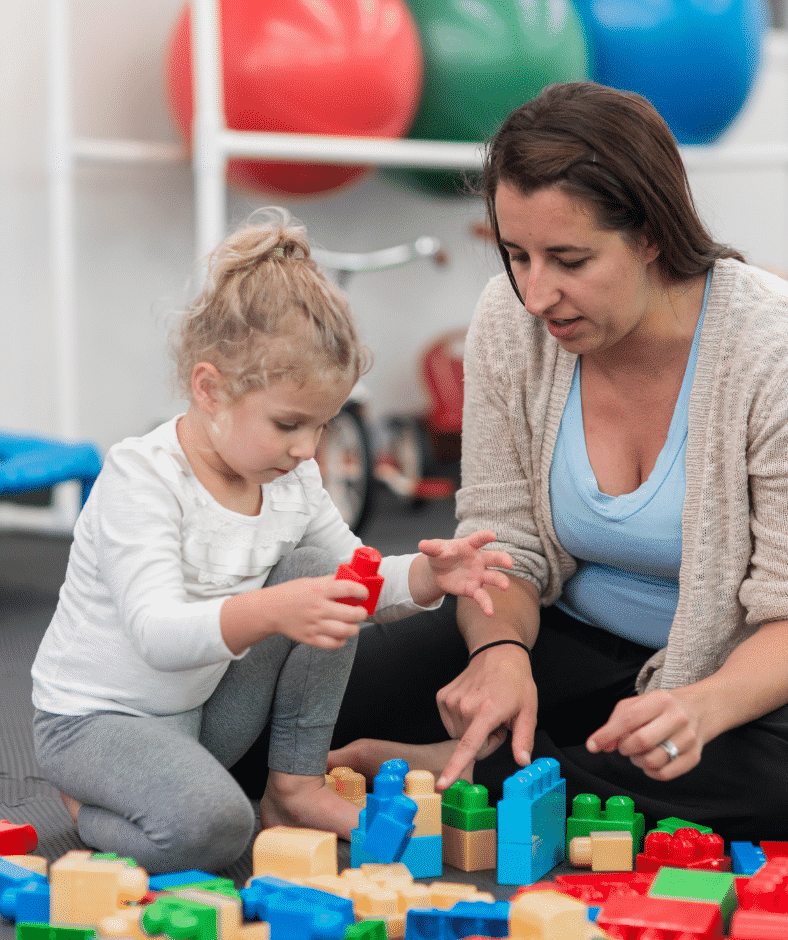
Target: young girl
[(200, 596)]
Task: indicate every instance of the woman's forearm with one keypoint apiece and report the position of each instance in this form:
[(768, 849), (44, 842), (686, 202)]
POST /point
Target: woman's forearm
[(516, 616), (752, 682)]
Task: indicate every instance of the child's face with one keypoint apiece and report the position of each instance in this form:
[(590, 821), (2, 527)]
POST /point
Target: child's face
[(269, 432)]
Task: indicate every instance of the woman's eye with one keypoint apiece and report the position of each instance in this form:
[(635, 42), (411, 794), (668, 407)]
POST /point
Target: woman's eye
[(286, 427), (572, 264)]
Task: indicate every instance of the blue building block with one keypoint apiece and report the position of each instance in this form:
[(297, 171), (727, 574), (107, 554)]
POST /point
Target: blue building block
[(14, 876), (178, 879), (389, 832), (290, 919), (268, 897), (424, 857), (27, 903), (465, 919), (746, 858), (531, 823), (385, 825)]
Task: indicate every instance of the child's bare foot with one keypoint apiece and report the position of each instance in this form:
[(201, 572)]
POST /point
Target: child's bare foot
[(72, 806), (293, 800), (366, 756)]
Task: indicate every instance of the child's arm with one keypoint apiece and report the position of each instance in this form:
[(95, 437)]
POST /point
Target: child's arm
[(306, 610), (458, 566)]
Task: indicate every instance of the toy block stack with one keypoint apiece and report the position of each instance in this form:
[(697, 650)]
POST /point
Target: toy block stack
[(469, 827), (532, 823), (687, 847), (385, 825), (618, 816)]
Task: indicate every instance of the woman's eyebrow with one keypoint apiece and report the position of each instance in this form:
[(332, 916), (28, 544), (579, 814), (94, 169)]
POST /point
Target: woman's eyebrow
[(556, 249)]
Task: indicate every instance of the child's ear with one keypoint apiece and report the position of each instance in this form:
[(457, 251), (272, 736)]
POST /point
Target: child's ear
[(207, 386)]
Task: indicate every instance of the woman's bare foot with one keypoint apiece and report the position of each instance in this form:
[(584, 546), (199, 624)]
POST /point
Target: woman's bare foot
[(72, 806), (366, 756), (293, 800)]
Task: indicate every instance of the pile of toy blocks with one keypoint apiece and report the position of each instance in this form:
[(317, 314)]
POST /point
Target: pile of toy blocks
[(673, 883)]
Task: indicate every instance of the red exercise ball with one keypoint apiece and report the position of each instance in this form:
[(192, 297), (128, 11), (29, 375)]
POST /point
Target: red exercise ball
[(347, 67)]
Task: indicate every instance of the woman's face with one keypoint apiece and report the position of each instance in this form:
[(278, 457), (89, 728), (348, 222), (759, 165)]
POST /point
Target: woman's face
[(591, 286)]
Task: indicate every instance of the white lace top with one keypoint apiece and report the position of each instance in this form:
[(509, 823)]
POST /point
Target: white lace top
[(136, 628)]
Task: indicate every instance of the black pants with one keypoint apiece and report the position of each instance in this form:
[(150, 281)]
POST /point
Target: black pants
[(740, 788)]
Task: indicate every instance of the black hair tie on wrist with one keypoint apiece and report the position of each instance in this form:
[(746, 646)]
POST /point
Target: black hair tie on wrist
[(499, 643)]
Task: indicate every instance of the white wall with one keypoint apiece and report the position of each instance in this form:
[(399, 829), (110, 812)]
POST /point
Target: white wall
[(134, 229)]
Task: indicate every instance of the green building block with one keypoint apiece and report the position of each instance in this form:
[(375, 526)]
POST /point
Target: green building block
[(47, 932), (466, 806), (112, 857), (672, 823), (685, 884), (181, 919), (223, 886), (618, 816), (366, 930)]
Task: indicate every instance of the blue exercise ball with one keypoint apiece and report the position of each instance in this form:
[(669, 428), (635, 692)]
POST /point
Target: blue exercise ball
[(695, 60)]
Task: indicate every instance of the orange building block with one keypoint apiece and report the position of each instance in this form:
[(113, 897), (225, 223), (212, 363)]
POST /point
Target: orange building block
[(287, 852), (548, 915), (420, 787), (348, 784), (469, 851), (83, 890), (602, 851)]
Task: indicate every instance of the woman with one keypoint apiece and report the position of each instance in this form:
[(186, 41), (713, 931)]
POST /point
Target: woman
[(625, 434)]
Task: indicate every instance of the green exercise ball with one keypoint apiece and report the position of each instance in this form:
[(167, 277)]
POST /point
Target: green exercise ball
[(482, 60)]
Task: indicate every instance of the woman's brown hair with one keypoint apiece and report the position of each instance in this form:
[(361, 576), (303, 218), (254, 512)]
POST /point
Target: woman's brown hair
[(614, 151)]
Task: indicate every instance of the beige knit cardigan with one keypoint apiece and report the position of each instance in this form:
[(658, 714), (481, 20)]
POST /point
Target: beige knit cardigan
[(734, 562)]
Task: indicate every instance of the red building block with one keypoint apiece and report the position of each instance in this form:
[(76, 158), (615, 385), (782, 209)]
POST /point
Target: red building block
[(767, 889), (363, 568), (593, 889), (775, 849), (16, 840), (759, 925), (685, 848), (660, 919)]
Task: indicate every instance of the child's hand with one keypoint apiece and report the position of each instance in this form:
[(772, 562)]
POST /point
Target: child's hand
[(458, 566), (308, 610)]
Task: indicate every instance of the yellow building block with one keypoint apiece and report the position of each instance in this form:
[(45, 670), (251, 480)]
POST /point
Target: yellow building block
[(287, 852), (83, 890)]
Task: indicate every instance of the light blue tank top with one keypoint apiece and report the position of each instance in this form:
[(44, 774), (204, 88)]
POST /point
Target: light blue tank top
[(628, 548)]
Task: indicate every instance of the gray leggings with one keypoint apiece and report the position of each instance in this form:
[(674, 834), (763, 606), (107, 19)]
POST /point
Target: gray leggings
[(157, 789)]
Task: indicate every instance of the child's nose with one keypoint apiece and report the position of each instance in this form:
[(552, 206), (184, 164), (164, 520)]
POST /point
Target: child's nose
[(305, 444)]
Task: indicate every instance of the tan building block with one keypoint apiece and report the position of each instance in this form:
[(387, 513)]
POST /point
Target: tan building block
[(30, 862), (445, 894), (470, 851), (124, 923), (348, 784), (548, 915), (256, 931), (83, 890), (420, 787), (287, 852), (387, 874), (602, 851)]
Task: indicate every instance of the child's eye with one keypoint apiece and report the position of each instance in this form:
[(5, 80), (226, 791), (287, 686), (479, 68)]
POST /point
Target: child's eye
[(286, 427)]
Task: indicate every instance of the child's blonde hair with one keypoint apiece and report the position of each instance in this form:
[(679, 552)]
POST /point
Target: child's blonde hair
[(267, 312)]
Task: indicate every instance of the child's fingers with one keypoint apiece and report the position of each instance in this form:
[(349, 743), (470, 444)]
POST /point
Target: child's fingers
[(354, 589)]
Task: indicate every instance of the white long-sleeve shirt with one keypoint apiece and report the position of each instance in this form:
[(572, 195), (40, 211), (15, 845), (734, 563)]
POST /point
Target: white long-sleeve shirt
[(154, 557)]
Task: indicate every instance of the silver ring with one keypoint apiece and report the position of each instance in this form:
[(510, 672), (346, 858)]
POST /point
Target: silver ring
[(670, 749)]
